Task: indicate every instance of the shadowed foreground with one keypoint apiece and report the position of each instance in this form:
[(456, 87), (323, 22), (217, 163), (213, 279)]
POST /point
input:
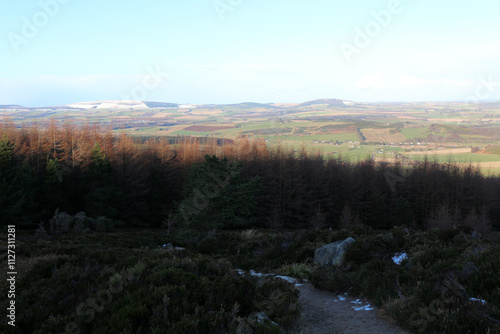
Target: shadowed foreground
[(324, 313)]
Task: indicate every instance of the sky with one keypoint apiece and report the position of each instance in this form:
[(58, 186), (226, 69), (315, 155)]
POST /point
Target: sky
[(55, 52)]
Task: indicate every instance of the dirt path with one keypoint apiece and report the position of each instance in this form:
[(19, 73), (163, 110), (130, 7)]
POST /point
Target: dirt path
[(326, 313)]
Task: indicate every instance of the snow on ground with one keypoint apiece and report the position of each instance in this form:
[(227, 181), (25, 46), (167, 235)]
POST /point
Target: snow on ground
[(482, 301), (294, 281), (320, 315), (367, 307), (253, 273), (341, 297), (286, 278), (398, 258), (358, 301), (114, 104)]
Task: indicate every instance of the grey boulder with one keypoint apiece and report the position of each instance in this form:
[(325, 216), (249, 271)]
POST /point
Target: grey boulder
[(332, 254)]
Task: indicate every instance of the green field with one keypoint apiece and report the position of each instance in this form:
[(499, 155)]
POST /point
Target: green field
[(326, 129), (322, 137), (411, 133), (465, 158)]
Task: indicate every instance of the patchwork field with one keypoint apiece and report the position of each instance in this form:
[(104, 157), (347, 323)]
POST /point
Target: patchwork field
[(207, 128), (383, 136), (404, 131), (450, 151)]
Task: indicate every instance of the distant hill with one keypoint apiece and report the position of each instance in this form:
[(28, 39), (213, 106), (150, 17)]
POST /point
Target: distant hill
[(140, 105), (246, 105), (152, 104), (11, 106), (329, 102), (110, 104), (122, 104), (65, 107)]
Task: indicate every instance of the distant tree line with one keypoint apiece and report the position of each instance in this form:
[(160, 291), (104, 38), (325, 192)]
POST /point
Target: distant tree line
[(145, 182)]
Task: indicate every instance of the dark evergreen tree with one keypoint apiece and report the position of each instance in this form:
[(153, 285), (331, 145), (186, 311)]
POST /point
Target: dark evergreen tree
[(17, 203), (215, 196), (102, 196), (52, 193)]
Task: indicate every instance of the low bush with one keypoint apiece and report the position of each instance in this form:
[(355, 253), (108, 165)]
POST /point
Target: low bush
[(113, 282), (449, 284), (124, 281)]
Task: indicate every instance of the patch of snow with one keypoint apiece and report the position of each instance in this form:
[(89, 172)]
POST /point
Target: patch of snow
[(478, 300), (287, 278), (358, 301), (367, 307), (398, 258), (253, 273), (114, 104)]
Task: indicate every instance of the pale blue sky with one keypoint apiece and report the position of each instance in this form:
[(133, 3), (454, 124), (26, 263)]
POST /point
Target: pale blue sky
[(262, 51)]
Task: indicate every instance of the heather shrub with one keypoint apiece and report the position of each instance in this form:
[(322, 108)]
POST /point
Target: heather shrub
[(297, 270), (439, 289), (123, 283), (279, 302)]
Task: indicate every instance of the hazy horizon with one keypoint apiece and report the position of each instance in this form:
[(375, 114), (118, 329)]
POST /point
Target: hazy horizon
[(57, 52), (242, 102)]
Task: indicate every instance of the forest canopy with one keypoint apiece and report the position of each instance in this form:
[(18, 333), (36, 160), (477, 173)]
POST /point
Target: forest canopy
[(147, 181)]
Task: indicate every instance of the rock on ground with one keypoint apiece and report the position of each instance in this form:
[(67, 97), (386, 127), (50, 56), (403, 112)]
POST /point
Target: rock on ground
[(332, 254)]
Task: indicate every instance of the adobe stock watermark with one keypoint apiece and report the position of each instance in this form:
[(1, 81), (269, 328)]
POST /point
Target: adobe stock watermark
[(451, 293), (224, 6), (32, 26), (393, 179), (364, 35), (201, 199), (150, 81), (484, 90)]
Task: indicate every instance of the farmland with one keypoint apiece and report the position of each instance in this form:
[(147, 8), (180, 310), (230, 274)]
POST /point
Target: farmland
[(247, 204), (465, 133)]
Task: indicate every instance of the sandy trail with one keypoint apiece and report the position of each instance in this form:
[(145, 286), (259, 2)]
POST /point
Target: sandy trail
[(326, 313)]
